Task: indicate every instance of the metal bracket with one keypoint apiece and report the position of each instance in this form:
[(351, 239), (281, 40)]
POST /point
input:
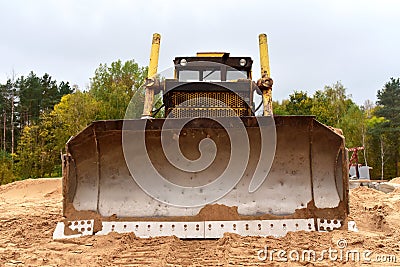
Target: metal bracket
[(82, 227), (328, 225)]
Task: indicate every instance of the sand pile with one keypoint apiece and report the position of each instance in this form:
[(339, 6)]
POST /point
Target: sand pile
[(30, 209), (395, 180)]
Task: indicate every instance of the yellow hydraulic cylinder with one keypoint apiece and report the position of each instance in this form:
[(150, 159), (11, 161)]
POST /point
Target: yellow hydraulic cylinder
[(267, 102), (264, 58), (265, 75), (151, 76)]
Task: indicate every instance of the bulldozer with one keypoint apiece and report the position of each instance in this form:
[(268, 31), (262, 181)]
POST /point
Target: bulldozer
[(213, 164)]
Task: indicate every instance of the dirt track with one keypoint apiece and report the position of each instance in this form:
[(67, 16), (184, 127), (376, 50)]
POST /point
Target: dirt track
[(30, 209)]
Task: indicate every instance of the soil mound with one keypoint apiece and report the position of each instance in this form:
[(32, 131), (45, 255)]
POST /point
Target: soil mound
[(30, 209)]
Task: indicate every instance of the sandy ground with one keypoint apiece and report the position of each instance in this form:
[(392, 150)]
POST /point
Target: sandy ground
[(29, 211)]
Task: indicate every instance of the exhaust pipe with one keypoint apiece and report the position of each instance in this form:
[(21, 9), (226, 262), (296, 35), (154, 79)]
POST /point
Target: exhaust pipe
[(151, 76)]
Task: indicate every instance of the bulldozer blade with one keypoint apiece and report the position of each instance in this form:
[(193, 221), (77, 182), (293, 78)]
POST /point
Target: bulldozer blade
[(107, 179)]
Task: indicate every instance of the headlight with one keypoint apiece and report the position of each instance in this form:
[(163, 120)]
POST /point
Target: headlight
[(183, 62), (242, 62)]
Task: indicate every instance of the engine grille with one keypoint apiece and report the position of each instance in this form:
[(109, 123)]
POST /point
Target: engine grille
[(207, 104)]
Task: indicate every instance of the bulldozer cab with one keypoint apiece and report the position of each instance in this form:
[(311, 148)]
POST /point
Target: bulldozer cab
[(210, 166), (200, 68), (210, 85)]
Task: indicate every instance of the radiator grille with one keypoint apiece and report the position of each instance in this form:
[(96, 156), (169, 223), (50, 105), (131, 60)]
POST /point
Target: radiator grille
[(209, 112), (207, 104), (208, 99)]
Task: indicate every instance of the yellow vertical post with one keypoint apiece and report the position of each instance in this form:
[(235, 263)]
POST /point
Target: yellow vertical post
[(264, 58), (149, 93), (265, 74), (267, 102)]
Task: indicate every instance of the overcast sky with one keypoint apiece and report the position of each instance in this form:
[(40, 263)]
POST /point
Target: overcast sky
[(311, 43)]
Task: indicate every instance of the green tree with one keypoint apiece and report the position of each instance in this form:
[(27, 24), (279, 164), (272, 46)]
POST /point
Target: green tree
[(37, 95), (28, 152), (367, 109), (331, 104), (116, 86), (6, 168), (389, 108), (378, 144), (352, 124), (73, 113), (279, 108), (38, 152), (7, 91), (299, 104)]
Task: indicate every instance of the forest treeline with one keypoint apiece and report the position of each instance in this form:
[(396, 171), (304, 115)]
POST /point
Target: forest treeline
[(39, 115), (375, 126)]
